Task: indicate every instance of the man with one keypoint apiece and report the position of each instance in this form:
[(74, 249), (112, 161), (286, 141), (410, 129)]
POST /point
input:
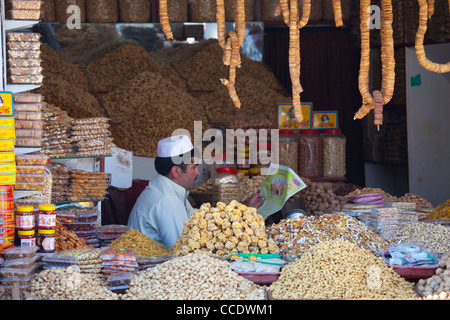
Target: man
[(162, 208)]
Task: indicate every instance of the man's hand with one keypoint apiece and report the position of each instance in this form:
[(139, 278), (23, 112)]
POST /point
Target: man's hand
[(256, 201)]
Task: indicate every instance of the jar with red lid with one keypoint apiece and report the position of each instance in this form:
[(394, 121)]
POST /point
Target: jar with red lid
[(309, 154), (46, 240), (47, 217), (333, 153), (225, 185)]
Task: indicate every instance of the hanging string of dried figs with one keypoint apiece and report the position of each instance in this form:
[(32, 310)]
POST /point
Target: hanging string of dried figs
[(164, 19), (378, 98), (289, 11), (337, 10), (231, 42), (426, 10)]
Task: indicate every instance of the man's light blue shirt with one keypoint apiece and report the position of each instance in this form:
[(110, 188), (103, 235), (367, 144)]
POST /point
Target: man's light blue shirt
[(161, 210)]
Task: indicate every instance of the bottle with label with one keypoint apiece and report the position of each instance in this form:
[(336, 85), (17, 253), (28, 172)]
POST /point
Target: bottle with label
[(25, 218), (26, 238), (46, 240), (47, 217)]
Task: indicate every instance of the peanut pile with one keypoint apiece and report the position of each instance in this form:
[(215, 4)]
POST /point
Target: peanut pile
[(340, 270), (192, 277), (69, 284)]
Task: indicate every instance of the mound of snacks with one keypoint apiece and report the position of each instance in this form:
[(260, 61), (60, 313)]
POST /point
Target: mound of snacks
[(339, 269), (225, 229), (296, 236)]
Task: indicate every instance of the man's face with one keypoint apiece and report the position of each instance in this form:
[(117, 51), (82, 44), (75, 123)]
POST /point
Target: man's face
[(187, 179)]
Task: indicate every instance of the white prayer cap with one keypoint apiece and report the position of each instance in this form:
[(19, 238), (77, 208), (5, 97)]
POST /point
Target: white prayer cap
[(174, 146)]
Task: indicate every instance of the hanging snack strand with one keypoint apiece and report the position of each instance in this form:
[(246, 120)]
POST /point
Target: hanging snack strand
[(164, 19), (377, 99), (337, 10), (231, 42), (426, 9), (289, 11)]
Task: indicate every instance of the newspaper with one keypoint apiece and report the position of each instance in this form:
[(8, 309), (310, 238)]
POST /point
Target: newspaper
[(278, 188)]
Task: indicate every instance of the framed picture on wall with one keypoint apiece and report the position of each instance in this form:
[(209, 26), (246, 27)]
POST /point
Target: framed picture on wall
[(286, 117), (325, 120)]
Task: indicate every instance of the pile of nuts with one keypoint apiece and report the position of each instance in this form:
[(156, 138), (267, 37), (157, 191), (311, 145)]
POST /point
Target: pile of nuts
[(296, 236), (224, 230), (365, 190), (417, 199), (340, 270), (437, 287), (249, 186), (433, 237), (69, 284), (318, 199), (192, 277)]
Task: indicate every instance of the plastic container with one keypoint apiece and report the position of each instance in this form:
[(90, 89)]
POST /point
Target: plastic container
[(415, 272), (33, 170), (25, 238), (333, 153), (24, 263), (22, 273), (27, 98), (225, 185), (24, 4), (243, 158), (25, 178), (32, 160), (310, 154), (288, 152), (47, 217), (260, 278), (25, 218), (46, 240), (19, 252)]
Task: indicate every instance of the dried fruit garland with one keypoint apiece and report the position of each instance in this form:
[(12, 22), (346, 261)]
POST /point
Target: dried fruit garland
[(426, 10), (289, 11), (164, 19), (231, 42), (337, 11), (378, 98)]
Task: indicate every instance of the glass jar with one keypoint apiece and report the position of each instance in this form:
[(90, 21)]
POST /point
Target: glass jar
[(225, 185), (46, 240), (263, 159), (309, 154), (47, 217), (26, 238), (333, 153), (243, 158), (288, 151), (25, 218)]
